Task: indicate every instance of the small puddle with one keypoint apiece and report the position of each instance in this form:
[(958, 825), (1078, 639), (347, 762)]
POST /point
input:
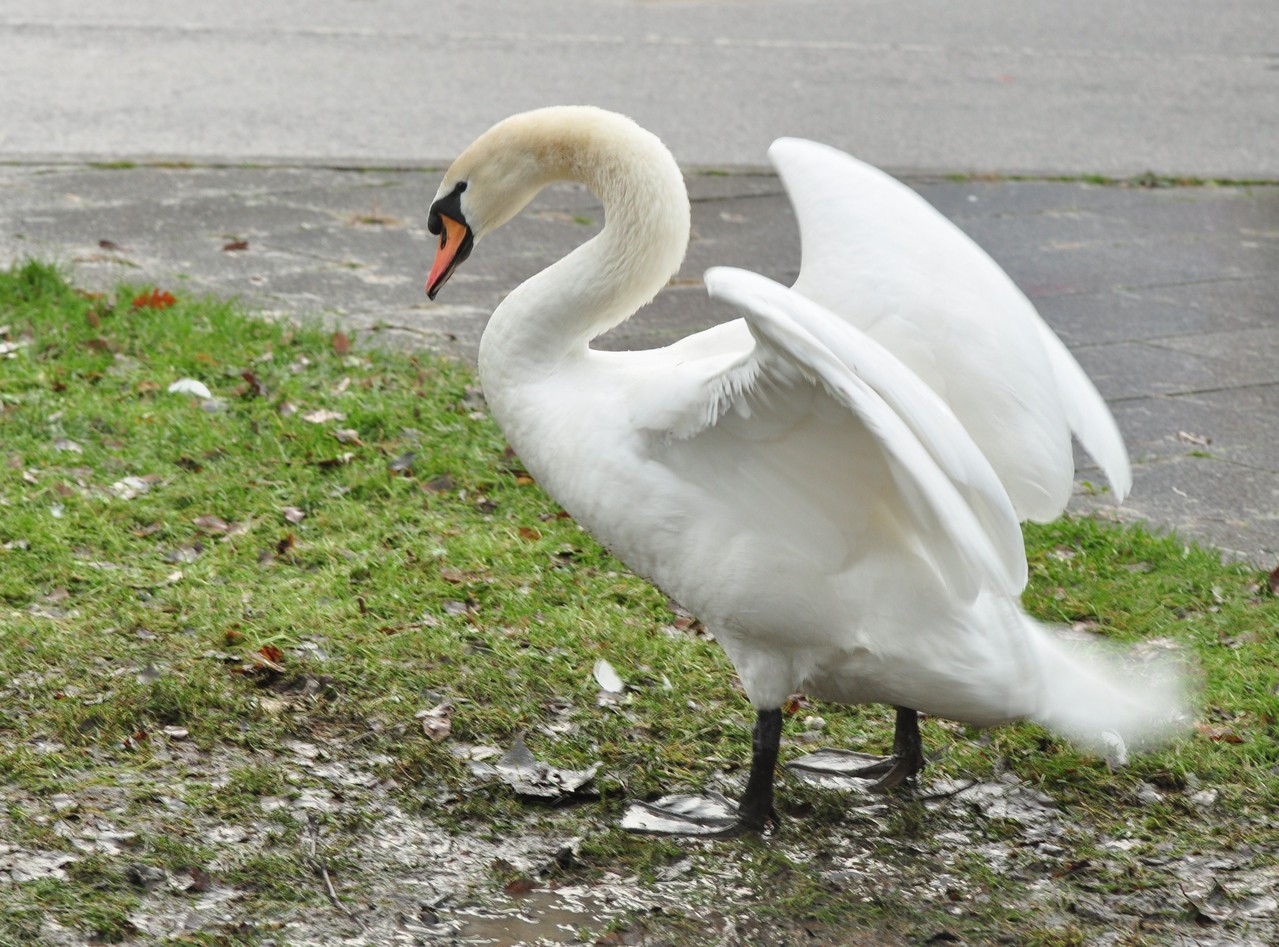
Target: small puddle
[(539, 917)]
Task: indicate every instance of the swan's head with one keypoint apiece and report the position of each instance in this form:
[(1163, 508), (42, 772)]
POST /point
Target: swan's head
[(493, 179), (502, 170)]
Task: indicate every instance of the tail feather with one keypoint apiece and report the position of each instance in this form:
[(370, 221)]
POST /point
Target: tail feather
[(1105, 699)]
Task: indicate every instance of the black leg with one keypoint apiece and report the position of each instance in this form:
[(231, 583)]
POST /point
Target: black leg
[(887, 772), (907, 743), (710, 814), (755, 810)]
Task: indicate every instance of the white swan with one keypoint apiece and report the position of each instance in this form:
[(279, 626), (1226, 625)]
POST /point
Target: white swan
[(785, 476)]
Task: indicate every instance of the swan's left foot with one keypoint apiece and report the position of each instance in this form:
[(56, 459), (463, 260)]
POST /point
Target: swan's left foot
[(708, 816), (713, 815), (885, 772)]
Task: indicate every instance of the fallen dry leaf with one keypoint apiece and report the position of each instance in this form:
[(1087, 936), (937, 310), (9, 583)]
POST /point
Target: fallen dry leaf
[(323, 416), (211, 524), (293, 514), (1272, 581), (402, 463), (529, 776), (156, 299), (341, 343), (348, 435), (235, 246), (1217, 732), (131, 487), (188, 553), (255, 387), (437, 722), (529, 533), (339, 461)]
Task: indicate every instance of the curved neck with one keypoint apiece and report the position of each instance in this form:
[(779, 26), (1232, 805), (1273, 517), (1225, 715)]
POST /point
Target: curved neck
[(554, 315)]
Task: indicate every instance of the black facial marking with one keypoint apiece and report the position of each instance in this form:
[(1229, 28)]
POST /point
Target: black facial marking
[(450, 205)]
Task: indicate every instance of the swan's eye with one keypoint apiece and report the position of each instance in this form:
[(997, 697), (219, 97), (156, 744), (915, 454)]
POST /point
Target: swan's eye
[(451, 205)]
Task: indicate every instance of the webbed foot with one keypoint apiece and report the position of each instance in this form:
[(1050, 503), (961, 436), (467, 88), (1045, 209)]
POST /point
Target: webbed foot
[(703, 816)]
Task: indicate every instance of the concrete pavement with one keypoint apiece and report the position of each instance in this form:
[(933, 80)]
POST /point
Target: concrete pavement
[(1169, 296)]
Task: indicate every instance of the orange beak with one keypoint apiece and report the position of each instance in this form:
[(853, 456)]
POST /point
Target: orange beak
[(455, 246)]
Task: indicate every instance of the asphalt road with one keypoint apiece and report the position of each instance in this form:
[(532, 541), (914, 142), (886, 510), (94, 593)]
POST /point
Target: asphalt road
[(1178, 87)]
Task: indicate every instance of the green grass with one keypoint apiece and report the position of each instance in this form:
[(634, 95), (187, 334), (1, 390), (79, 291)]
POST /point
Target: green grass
[(204, 606)]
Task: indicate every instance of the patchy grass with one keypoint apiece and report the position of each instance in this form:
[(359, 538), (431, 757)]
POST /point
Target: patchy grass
[(220, 618)]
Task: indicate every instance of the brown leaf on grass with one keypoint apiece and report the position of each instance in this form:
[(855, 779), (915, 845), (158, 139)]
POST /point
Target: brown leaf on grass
[(1272, 581), (285, 545), (110, 245), (93, 319), (441, 484), (156, 299), (520, 885), (135, 739), (100, 344), (235, 246), (341, 343), (268, 659), (211, 524), (450, 574), (348, 435), (529, 533), (255, 387), (1218, 733), (437, 722), (293, 514)]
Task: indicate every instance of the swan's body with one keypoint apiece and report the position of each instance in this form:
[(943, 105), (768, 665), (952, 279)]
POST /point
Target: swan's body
[(785, 476)]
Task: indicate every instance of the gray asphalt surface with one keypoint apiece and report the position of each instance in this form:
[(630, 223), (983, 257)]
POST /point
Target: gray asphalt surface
[(1172, 86), (1169, 296)]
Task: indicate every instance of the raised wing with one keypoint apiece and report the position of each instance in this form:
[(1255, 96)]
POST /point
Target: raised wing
[(882, 258), (820, 416)]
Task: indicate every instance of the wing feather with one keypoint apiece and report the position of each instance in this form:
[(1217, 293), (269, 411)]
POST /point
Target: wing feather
[(955, 501), (880, 256)]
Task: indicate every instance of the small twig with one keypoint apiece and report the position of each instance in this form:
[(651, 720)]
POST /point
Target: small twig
[(369, 734), (317, 864)]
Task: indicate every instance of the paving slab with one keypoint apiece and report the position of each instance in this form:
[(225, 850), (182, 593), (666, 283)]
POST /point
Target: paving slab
[(1168, 296)]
